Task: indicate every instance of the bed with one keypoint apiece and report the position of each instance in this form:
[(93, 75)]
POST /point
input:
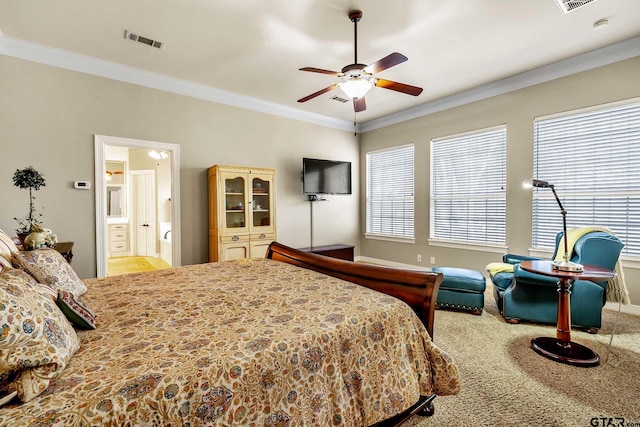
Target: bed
[(295, 339)]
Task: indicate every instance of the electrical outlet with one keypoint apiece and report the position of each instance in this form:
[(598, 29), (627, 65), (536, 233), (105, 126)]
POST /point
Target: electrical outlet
[(419, 258), (433, 260)]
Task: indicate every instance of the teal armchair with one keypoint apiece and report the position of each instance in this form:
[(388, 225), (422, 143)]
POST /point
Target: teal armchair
[(524, 296)]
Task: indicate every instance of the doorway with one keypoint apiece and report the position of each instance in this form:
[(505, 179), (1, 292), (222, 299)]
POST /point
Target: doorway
[(147, 199)]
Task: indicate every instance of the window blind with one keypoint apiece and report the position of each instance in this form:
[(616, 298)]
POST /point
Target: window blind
[(390, 184), (468, 179), (593, 160)]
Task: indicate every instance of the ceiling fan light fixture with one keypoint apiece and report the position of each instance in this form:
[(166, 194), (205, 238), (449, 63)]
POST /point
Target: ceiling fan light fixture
[(356, 87), (357, 79)]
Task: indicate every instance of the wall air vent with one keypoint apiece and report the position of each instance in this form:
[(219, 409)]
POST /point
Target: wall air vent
[(337, 98), (571, 5), (141, 39)]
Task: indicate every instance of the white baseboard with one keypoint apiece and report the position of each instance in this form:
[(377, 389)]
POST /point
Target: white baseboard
[(628, 308), (386, 263)]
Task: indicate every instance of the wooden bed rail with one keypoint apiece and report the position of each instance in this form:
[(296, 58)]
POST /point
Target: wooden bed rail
[(418, 289)]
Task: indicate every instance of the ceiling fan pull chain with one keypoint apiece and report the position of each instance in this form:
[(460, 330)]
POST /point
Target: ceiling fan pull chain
[(355, 127)]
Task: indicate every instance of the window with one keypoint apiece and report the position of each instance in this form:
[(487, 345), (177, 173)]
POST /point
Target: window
[(468, 197), (592, 157), (390, 210)]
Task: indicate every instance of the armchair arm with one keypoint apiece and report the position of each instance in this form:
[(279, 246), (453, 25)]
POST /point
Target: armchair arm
[(515, 259), (522, 276)]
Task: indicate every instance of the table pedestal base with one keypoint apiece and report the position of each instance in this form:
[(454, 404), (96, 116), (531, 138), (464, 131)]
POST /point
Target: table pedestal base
[(570, 353)]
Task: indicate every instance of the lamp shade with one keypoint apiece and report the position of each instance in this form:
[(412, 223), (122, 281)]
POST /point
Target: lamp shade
[(530, 183), (356, 87)]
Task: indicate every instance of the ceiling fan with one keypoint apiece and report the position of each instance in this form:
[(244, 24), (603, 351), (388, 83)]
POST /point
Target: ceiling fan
[(357, 79)]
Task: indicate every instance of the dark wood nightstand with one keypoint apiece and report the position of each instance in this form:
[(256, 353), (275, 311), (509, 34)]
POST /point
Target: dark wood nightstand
[(65, 249), (333, 251)]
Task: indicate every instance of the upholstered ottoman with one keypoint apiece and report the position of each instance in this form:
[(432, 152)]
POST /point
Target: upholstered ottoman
[(461, 289)]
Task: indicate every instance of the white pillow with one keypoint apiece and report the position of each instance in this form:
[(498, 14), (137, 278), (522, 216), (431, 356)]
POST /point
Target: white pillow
[(7, 247)]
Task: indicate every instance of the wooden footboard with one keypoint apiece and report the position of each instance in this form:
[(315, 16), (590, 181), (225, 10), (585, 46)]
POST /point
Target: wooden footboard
[(418, 289)]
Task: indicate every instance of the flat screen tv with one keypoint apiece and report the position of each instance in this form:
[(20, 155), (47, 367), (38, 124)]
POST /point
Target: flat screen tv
[(326, 176)]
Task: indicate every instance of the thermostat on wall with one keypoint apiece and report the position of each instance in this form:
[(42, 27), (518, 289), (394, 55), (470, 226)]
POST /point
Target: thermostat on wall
[(82, 185)]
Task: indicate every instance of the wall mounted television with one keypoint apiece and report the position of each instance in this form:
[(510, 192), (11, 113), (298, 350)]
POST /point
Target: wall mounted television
[(326, 176)]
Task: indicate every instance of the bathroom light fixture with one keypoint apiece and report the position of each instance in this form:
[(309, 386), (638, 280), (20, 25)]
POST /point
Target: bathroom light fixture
[(158, 155)]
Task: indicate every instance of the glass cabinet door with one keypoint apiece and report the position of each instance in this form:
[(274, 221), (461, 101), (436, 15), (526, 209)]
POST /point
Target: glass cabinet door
[(261, 212), (235, 196), (262, 203)]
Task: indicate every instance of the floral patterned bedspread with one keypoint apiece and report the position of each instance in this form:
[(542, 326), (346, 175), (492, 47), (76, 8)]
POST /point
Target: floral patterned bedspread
[(250, 342)]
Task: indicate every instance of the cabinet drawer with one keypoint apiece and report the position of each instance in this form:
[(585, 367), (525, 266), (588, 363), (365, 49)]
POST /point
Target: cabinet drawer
[(120, 227), (115, 247), (118, 236), (234, 238), (263, 236)]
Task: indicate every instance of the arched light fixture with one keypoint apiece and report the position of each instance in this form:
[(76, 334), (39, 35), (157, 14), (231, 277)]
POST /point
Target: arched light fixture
[(158, 155), (565, 264)]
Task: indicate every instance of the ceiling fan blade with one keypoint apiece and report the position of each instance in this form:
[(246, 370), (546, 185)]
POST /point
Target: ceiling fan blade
[(387, 62), (399, 87), (359, 105), (318, 93), (321, 71)]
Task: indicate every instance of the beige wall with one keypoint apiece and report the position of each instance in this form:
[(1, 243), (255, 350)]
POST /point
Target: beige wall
[(517, 110), (48, 117)]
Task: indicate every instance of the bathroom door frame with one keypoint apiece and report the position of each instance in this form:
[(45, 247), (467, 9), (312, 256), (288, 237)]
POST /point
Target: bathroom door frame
[(100, 143)]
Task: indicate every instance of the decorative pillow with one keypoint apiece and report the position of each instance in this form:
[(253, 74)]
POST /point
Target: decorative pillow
[(36, 340), (49, 267), (7, 247), (44, 288), (76, 310)]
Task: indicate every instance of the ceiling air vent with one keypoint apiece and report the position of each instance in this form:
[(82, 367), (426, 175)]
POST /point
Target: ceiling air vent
[(571, 5), (141, 39), (337, 98)]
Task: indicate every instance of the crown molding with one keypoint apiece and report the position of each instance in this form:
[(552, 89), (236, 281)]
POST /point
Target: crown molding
[(85, 64), (604, 56)]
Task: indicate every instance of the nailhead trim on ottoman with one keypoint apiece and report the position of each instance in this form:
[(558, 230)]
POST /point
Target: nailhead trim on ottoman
[(461, 289)]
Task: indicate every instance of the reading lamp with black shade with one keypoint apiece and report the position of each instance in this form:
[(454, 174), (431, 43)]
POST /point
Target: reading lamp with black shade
[(565, 264)]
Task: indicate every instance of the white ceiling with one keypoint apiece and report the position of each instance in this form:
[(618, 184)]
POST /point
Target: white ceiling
[(254, 48)]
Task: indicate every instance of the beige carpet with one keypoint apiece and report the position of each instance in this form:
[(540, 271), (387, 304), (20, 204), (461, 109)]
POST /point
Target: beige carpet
[(134, 264), (505, 383)]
